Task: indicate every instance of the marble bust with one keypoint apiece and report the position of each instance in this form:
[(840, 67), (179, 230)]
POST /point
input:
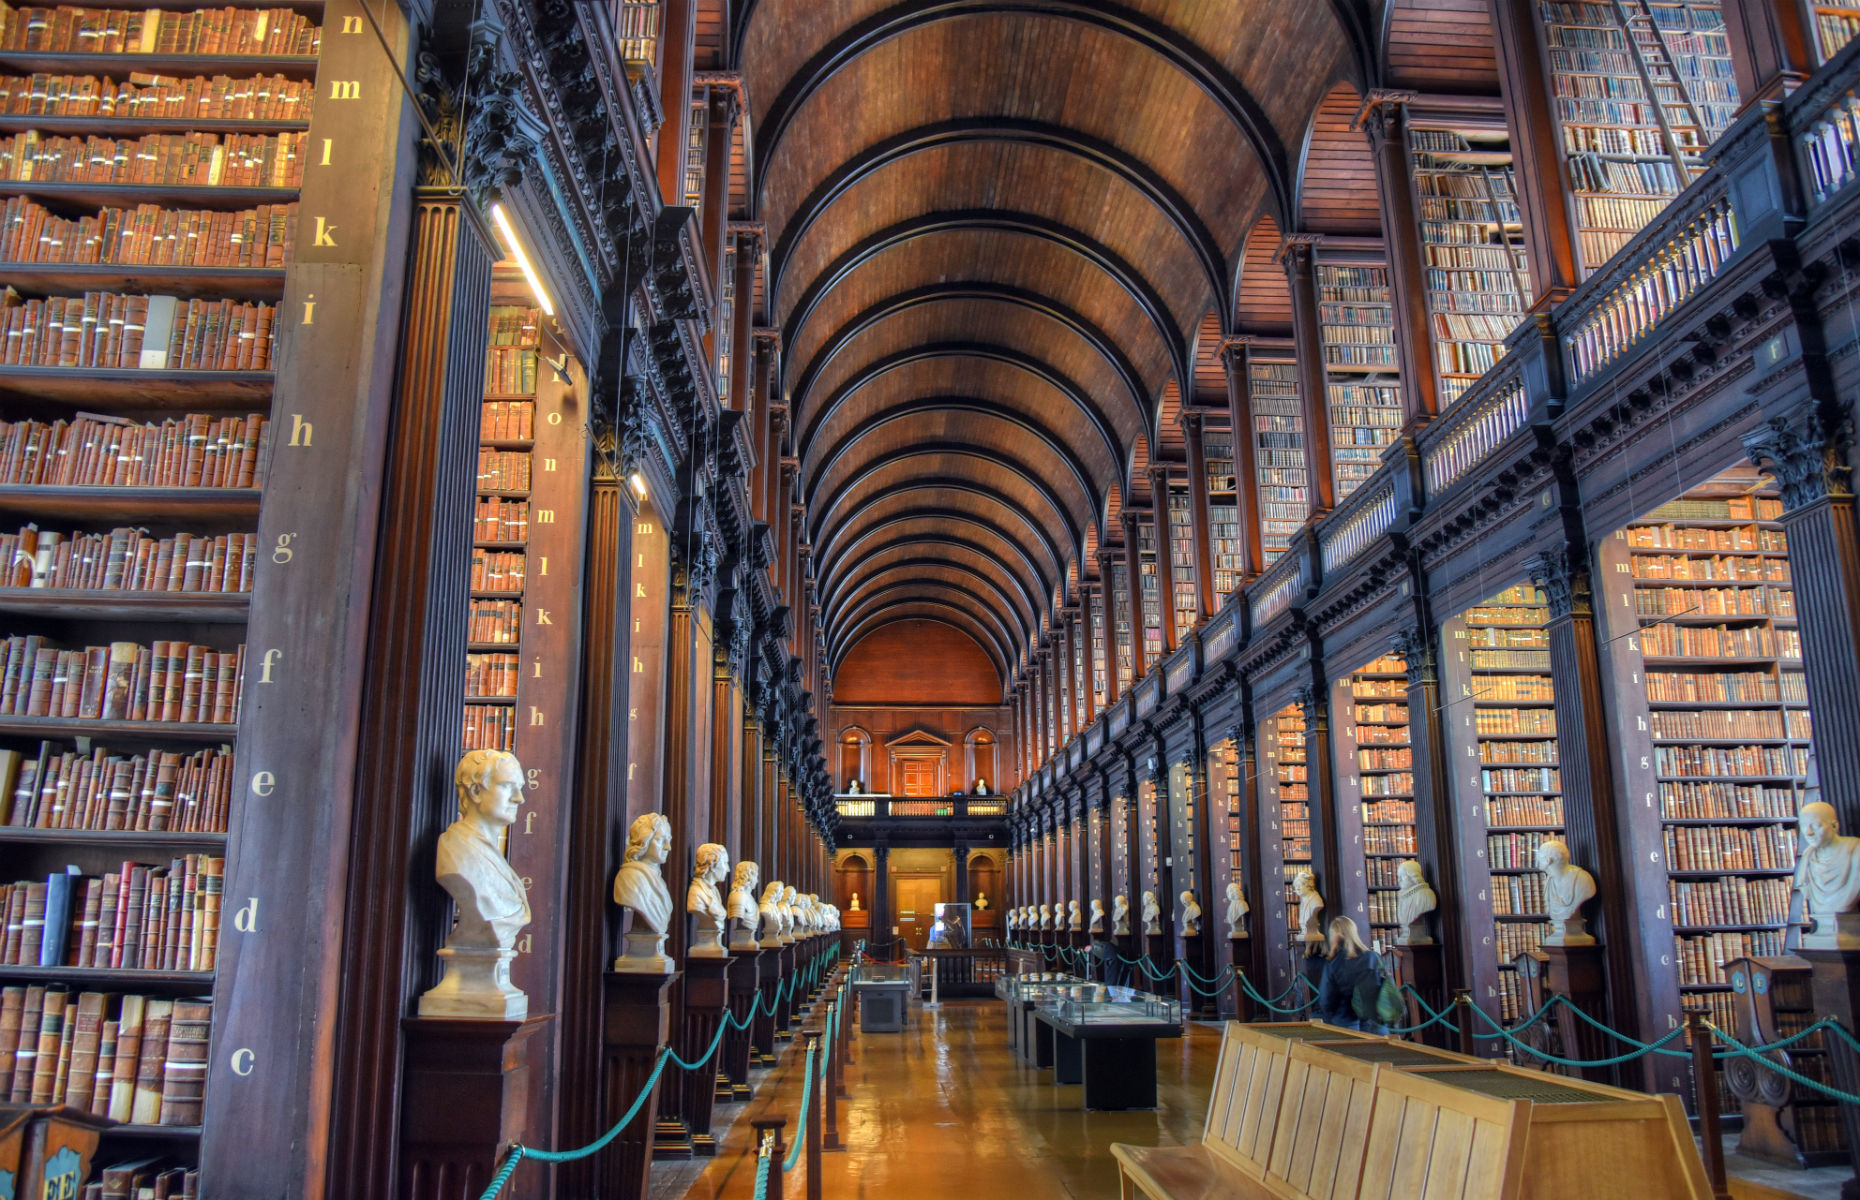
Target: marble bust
[(1120, 916), (770, 912), (1011, 919), (1412, 904), (1046, 916), (639, 886), (1097, 917), (1074, 919), (488, 897), (787, 915), (981, 901), (1828, 876), (705, 902), (742, 905), (1310, 904), (1567, 888), (981, 787), (1236, 911), (1191, 915), (1152, 914), (855, 901)]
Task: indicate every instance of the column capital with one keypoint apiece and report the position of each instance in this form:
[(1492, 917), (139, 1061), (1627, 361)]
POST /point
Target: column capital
[(750, 237), (1308, 699), (1297, 251), (1807, 453), (1416, 653), (765, 336), (1192, 420), (1564, 577), (1383, 113)]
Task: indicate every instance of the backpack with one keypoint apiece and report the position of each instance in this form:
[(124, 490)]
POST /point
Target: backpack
[(1377, 997)]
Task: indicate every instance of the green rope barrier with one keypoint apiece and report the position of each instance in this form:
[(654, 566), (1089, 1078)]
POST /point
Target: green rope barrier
[(1640, 1050), (1299, 981), (1736, 1049), (807, 1105), (762, 1166), (1433, 1018)]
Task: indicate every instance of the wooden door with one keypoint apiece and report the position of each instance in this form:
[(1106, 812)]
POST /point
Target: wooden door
[(917, 898), (920, 776)]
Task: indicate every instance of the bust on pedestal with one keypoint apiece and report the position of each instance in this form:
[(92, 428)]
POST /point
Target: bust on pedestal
[(1046, 916), (1120, 917), (770, 912), (1567, 888), (742, 906), (1236, 912), (1828, 876), (639, 886), (1097, 917), (1191, 915), (1152, 914), (786, 908), (1412, 905), (1310, 904), (703, 901), (488, 896), (981, 901), (1074, 919), (855, 901)]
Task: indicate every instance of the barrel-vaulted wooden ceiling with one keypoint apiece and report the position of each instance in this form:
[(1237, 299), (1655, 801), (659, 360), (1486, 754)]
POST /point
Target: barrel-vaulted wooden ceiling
[(1006, 238)]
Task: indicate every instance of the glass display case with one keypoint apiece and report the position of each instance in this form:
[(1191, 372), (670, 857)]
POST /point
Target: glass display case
[(950, 927), (866, 973), (1099, 1005), (1023, 994), (1104, 1036), (883, 993)]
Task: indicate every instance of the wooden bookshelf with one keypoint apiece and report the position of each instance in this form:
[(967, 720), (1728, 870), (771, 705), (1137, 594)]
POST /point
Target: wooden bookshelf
[(213, 608), (695, 140), (1150, 854), (1182, 560), (1226, 820), (1472, 246), (1361, 379), (65, 279), (1640, 90), (137, 126), (1120, 589), (1375, 790), (1501, 722), (1094, 616), (1077, 676), (1225, 538), (1835, 26), (1279, 453), (1707, 657), (134, 390), (1150, 590), (1285, 845)]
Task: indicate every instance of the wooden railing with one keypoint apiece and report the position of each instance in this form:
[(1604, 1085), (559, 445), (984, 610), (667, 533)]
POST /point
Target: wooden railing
[(883, 807), (1368, 514), (1491, 411)]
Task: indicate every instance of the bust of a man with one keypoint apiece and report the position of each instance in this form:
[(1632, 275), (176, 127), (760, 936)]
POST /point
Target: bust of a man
[(852, 789), (1828, 876), (1412, 904), (1095, 913), (742, 905), (1191, 915), (488, 898), (1075, 920), (1236, 911), (1567, 888), (639, 886), (1152, 914), (1046, 916), (1120, 916), (788, 923), (981, 901), (770, 912), (705, 902), (981, 787), (1310, 904)]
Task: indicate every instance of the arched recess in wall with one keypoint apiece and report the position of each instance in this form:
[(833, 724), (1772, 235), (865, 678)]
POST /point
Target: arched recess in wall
[(984, 880), (853, 878), (855, 759), (980, 761)]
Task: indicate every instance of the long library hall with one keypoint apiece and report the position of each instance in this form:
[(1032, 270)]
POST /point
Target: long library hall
[(710, 599)]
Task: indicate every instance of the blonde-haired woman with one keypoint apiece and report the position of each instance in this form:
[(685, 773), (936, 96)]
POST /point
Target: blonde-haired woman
[(1348, 966)]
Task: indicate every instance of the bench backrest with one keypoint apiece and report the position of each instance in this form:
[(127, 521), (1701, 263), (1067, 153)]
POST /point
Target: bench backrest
[(1243, 1107), (1430, 1141), (1324, 1112)]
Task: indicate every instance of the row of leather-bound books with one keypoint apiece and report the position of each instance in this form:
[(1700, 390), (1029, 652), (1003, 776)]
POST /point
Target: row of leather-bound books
[(124, 681), (148, 235), (111, 330), (70, 29), (131, 1058), (148, 96), (102, 451), (139, 917), (196, 159), (126, 559), (163, 791)]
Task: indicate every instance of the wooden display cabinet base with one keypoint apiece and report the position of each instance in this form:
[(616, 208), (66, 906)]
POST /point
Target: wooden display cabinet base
[(464, 1098), (739, 1052), (1836, 984), (1423, 969), (635, 1026)]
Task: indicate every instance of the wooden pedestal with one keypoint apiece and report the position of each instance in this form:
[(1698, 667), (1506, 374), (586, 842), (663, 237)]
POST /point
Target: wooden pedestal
[(464, 1097), (739, 1043), (1129, 945), (1423, 968), (1836, 984), (1161, 949), (1576, 973), (785, 1015), (707, 998), (1242, 955), (762, 1033), (635, 1025)]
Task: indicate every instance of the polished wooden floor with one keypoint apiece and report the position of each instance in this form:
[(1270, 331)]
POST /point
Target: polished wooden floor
[(944, 1109)]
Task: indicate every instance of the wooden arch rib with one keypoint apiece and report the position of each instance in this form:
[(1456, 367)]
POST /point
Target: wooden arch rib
[(918, 590), (931, 609), (1163, 195), (919, 407), (1209, 75), (928, 567), (942, 554), (1122, 273), (943, 520), (955, 292), (880, 508), (872, 372)]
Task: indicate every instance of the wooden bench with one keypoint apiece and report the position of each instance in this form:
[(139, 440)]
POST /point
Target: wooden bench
[(1352, 1116)]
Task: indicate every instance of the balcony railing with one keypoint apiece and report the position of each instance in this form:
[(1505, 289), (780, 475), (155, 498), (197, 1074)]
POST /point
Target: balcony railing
[(921, 806), (1364, 517), (1490, 412), (1279, 586)]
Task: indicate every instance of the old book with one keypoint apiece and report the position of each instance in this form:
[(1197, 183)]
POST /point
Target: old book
[(128, 1055), (105, 1072), (185, 1071), (86, 1040), (51, 1034), (118, 680), (149, 1061), (62, 1075), (57, 927), (12, 1008), (118, 1180), (25, 1059), (92, 914)]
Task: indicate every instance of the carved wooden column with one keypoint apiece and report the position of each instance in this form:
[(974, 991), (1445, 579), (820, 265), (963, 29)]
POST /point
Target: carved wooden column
[(1133, 590), (1385, 122), (1092, 617), (1072, 649), (1234, 356), (600, 807), (1433, 970), (1107, 559), (1808, 456), (1205, 599), (720, 114), (1299, 258), (414, 691), (1590, 805), (1104, 887), (744, 363), (1165, 558), (1536, 151), (677, 46), (1772, 48), (1326, 852), (1131, 944), (1249, 953)]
